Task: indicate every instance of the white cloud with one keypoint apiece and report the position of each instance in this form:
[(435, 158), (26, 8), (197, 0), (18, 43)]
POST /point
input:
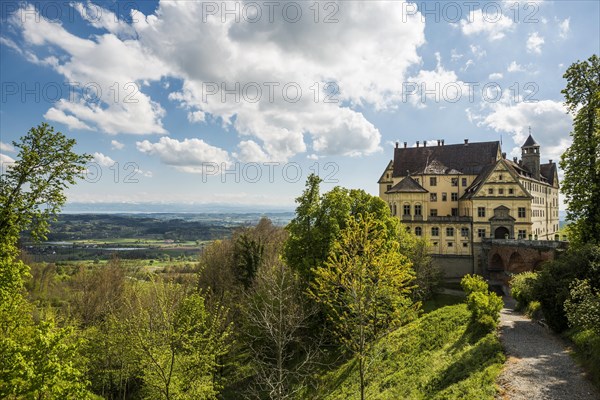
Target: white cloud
[(190, 155), (7, 147), (549, 121), (171, 43), (477, 51), (103, 160), (492, 23), (515, 67), (534, 43), (116, 145), (250, 151), (6, 160), (564, 28), (71, 121), (495, 76)]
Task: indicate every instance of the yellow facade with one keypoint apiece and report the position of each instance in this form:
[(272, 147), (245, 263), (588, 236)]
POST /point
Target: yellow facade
[(455, 208)]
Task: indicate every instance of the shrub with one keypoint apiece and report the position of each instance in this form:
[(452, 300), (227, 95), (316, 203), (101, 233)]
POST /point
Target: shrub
[(551, 288), (484, 306), (534, 310), (522, 288), (583, 306)]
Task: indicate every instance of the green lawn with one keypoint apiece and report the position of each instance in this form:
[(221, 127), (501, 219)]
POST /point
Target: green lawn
[(438, 356)]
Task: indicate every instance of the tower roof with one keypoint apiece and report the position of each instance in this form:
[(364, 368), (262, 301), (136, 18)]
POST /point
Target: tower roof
[(530, 142)]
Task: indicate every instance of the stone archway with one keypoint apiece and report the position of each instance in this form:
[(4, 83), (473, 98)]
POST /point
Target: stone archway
[(516, 263), (501, 233), (496, 263)]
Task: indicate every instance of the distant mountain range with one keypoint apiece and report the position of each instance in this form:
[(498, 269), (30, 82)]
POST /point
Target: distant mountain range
[(171, 208)]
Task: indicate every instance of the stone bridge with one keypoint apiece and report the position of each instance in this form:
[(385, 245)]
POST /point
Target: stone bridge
[(501, 258)]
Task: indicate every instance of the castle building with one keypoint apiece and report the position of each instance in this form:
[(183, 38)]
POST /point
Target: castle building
[(458, 195)]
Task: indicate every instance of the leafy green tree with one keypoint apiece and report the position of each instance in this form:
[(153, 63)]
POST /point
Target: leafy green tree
[(581, 161), (35, 361), (484, 305), (320, 219), (364, 286), (176, 340), (583, 306)]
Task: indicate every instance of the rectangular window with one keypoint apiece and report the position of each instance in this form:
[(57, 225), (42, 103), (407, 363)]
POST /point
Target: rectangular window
[(455, 212), (450, 244), (522, 234), (454, 181), (465, 244), (481, 212), (432, 181), (481, 233), (500, 177), (435, 231), (464, 182), (521, 212), (418, 231), (406, 209), (464, 232), (490, 191), (454, 196), (433, 212), (389, 187), (500, 191), (511, 191), (449, 231), (444, 196), (432, 196), (418, 210)]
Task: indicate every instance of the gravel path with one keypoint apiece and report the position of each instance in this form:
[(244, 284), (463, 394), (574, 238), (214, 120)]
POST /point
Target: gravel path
[(538, 365)]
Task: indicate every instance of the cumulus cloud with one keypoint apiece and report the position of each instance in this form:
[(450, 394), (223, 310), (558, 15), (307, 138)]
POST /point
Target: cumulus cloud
[(495, 76), (116, 145), (491, 23), (207, 54), (534, 43), (564, 28), (190, 155), (515, 67), (103, 160), (9, 148), (56, 115)]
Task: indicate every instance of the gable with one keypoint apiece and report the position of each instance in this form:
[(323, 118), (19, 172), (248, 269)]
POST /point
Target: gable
[(498, 181)]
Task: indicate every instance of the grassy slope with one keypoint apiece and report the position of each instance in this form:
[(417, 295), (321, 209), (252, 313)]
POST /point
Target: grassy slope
[(438, 356)]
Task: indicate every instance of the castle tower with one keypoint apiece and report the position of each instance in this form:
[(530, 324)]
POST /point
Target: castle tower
[(530, 154)]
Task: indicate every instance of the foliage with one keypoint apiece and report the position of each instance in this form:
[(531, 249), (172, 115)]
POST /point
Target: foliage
[(438, 356), (176, 340), (581, 161), (587, 351), (484, 305), (583, 306), (555, 278), (44, 363), (364, 286), (320, 219), (276, 317), (522, 288)]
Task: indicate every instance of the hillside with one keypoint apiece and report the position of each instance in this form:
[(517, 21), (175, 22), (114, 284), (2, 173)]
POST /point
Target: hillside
[(438, 356)]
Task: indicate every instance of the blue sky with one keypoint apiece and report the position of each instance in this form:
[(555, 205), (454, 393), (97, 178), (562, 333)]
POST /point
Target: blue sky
[(237, 102)]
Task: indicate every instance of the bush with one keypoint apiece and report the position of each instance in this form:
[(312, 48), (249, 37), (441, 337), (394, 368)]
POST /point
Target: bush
[(534, 310), (484, 306), (522, 288), (552, 288), (583, 307)]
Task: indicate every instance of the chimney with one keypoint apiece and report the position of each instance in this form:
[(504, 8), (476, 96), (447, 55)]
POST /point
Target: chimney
[(442, 142), (504, 155), (439, 142), (424, 143), (417, 143), (397, 143), (466, 141), (515, 160), (550, 161), (405, 144)]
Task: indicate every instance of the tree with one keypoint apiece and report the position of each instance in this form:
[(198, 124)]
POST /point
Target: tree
[(581, 161), (364, 286), (276, 316), (176, 340), (320, 219), (35, 361)]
